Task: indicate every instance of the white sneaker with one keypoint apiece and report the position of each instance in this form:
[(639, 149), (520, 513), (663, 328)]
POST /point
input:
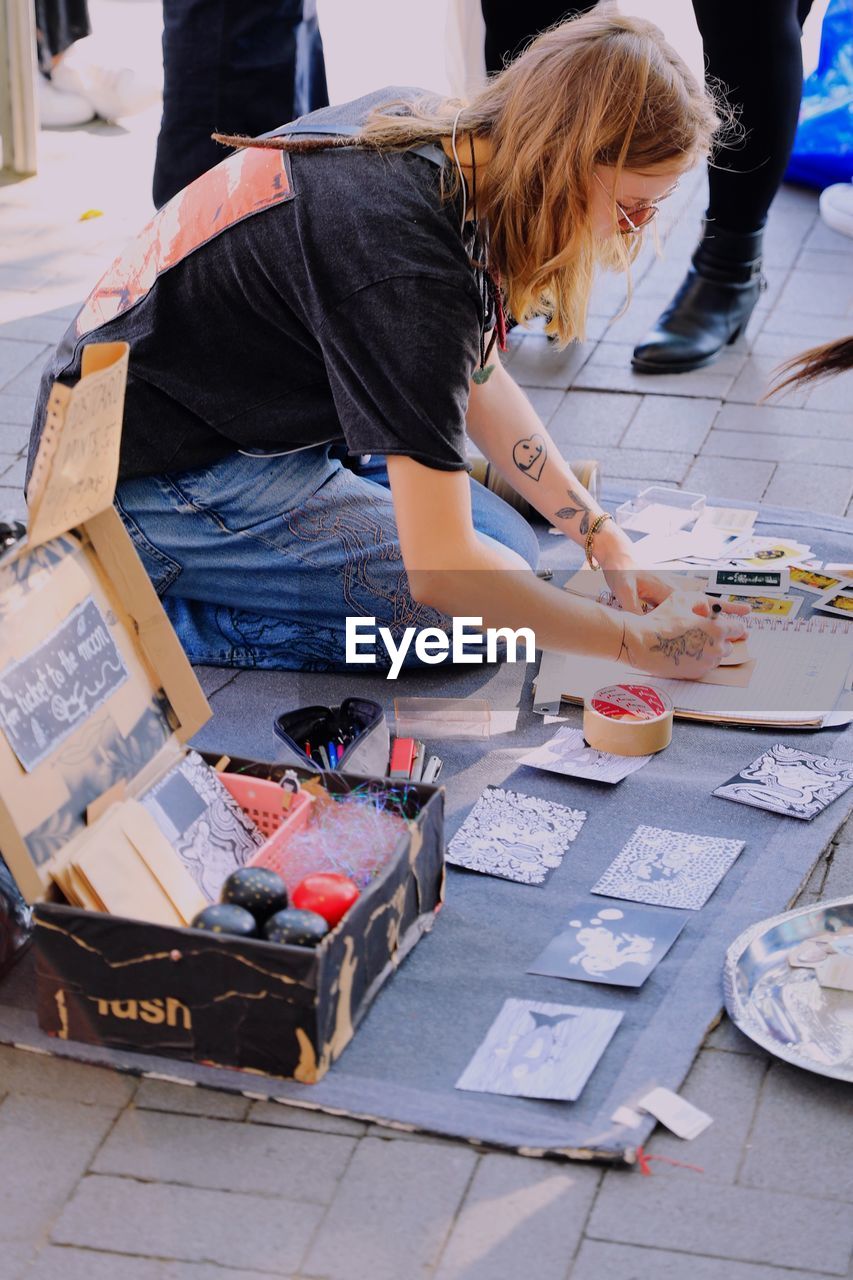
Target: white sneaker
[(836, 207), (59, 110), (112, 92)]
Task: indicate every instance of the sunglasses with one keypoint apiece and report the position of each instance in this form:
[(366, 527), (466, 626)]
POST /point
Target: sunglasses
[(629, 221)]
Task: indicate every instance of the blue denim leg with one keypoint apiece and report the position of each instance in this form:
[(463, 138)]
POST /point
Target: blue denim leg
[(259, 560)]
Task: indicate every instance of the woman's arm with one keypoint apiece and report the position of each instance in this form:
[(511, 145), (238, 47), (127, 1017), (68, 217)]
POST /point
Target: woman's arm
[(454, 571), (506, 428)]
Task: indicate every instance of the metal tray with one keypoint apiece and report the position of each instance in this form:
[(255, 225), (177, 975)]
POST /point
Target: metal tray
[(785, 1009)]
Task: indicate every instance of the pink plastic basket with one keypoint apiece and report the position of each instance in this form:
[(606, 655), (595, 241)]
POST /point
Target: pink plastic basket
[(262, 801)]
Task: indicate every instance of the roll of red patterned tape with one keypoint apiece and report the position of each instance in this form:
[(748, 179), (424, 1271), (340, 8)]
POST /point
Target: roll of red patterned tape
[(628, 719)]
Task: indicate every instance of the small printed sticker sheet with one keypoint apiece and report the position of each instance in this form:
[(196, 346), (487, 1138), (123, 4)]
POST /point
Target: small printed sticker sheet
[(668, 868), (817, 581), (535, 1050), (618, 943), (773, 606), (770, 553), (838, 602), (786, 780), (514, 837), (567, 753)]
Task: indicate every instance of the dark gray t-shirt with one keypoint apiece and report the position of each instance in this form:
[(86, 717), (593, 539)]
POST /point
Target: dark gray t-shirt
[(286, 301)]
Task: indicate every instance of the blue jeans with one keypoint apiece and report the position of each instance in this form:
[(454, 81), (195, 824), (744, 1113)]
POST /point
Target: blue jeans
[(258, 560)]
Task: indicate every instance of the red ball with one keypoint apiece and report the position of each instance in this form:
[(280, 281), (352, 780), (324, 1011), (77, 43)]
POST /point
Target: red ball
[(329, 894)]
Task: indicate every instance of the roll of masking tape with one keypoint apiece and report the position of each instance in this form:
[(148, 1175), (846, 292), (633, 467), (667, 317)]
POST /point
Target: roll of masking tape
[(628, 719)]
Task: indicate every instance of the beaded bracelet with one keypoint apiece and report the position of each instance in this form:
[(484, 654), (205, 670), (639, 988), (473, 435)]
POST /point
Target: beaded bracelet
[(594, 528)]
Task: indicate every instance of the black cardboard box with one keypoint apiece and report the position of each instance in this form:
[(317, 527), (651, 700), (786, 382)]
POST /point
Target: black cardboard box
[(285, 1011), (97, 701)]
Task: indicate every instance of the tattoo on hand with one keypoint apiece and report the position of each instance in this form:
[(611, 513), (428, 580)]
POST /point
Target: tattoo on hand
[(690, 644), (529, 456), (579, 509)]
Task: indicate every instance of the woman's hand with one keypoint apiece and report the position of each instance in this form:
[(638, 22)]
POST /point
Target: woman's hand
[(683, 639), (632, 586)]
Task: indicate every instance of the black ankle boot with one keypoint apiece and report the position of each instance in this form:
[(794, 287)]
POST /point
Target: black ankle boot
[(712, 306)]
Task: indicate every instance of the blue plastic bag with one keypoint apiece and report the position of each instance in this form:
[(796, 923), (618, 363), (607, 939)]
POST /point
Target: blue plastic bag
[(823, 147)]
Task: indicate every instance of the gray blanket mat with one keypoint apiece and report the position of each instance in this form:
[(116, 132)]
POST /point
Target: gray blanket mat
[(400, 1070)]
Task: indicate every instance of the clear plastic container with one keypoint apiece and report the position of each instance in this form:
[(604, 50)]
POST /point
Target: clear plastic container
[(432, 718), (691, 504)]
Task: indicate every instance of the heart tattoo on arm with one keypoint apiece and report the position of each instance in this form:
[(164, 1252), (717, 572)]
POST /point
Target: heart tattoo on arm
[(529, 455), (579, 509)]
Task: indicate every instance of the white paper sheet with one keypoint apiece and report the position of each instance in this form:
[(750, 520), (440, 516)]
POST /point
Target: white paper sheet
[(660, 548), (679, 1115), (732, 519), (568, 754)]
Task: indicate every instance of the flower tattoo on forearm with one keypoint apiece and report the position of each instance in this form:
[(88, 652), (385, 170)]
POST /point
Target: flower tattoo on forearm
[(690, 644), (579, 509)]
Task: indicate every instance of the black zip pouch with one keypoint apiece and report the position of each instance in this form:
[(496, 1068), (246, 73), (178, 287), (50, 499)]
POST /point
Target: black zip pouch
[(357, 728), (16, 925)]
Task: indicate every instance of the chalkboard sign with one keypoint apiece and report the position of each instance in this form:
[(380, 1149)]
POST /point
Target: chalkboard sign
[(45, 696)]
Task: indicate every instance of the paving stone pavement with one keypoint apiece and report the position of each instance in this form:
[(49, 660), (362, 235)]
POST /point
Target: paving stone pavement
[(108, 1178)]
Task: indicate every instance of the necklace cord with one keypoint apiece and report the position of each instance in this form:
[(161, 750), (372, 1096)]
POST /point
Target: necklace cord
[(459, 167)]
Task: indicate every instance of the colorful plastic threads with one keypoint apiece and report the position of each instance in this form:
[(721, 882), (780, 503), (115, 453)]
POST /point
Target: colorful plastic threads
[(356, 836)]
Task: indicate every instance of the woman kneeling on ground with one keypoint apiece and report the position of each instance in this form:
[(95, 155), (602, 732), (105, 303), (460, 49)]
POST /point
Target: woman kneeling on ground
[(336, 290)]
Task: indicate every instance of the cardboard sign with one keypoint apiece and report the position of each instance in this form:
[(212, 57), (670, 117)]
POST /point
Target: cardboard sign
[(75, 473), (96, 693), (56, 687)]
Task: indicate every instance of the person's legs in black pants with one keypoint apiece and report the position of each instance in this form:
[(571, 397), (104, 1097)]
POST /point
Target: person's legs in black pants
[(228, 66), (762, 69), (754, 50), (510, 25), (59, 24)]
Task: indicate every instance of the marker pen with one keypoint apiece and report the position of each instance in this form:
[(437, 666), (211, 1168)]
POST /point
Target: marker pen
[(432, 769)]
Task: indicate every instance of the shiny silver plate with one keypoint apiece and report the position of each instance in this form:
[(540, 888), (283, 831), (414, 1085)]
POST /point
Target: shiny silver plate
[(784, 1008)]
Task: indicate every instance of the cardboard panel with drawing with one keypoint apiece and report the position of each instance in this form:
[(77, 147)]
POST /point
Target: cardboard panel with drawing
[(121, 836)]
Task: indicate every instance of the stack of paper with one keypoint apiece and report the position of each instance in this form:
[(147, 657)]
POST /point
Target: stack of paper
[(707, 546), (722, 538), (720, 535), (702, 547)]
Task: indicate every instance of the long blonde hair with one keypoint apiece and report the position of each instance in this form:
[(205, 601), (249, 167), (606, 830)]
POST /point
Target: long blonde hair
[(813, 365), (602, 88)]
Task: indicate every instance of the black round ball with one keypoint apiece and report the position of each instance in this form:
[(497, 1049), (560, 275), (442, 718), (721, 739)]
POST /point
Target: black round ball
[(295, 927), (227, 918), (255, 889)]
